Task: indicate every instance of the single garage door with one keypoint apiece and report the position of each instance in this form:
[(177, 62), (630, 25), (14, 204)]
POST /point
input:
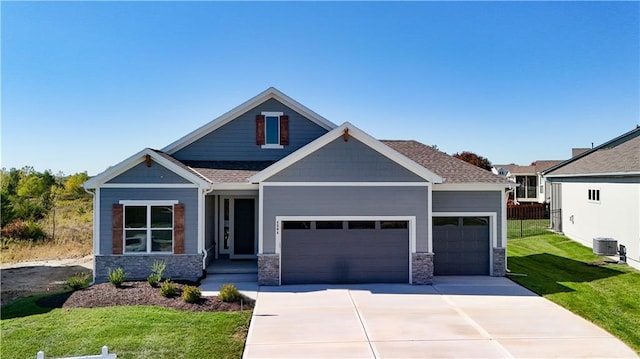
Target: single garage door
[(344, 252), (461, 245)]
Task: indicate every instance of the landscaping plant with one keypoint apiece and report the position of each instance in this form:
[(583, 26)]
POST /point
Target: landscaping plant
[(79, 280), (191, 294), (168, 289), (117, 277), (157, 269), (229, 293)]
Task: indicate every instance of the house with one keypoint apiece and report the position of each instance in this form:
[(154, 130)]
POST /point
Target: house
[(532, 186), (312, 202), (597, 194)]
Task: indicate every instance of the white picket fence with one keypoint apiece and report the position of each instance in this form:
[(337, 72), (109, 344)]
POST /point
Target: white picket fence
[(104, 355)]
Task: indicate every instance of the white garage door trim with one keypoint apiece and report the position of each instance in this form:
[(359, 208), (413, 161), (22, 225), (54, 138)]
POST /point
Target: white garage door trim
[(410, 219), (493, 225)]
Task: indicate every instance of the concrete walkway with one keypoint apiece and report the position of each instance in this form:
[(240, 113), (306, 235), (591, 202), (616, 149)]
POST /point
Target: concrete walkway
[(457, 317)]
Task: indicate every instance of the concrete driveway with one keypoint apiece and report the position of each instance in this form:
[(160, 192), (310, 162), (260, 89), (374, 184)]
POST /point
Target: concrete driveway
[(457, 317)]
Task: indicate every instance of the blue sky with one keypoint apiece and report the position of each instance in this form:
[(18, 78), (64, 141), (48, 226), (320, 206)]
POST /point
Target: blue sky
[(87, 84)]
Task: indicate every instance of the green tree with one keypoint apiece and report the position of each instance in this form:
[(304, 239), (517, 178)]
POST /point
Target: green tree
[(474, 159), (73, 185)]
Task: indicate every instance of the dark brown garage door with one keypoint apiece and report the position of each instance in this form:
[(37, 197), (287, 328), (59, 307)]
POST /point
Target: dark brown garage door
[(461, 245), (344, 252)]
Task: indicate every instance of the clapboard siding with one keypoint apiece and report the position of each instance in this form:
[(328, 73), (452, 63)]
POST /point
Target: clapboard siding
[(350, 161), (470, 201), (236, 140), (344, 201), (187, 196), (143, 174)]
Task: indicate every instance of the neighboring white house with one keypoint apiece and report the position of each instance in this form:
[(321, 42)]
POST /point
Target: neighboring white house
[(532, 187), (598, 194)]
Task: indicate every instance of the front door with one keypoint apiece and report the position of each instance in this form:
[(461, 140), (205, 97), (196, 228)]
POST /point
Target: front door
[(238, 232)]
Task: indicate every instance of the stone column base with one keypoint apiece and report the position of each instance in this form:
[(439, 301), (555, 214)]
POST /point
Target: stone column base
[(422, 268), (499, 262), (268, 269)]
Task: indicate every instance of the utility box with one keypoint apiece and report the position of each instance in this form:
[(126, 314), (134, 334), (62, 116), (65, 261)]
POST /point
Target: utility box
[(605, 246)]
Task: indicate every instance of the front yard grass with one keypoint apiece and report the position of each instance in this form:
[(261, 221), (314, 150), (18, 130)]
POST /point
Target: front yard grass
[(128, 331), (570, 275)]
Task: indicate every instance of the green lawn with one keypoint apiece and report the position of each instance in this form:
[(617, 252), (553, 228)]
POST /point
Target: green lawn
[(130, 332), (563, 271), (517, 228)]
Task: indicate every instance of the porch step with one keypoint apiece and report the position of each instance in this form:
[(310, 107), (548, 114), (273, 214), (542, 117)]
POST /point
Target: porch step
[(231, 278), (232, 267)]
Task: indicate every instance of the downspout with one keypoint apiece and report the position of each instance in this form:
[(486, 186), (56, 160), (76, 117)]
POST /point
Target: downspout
[(93, 194), (205, 192)]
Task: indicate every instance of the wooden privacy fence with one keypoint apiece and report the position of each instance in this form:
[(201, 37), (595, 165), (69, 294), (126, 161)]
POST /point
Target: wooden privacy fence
[(528, 211), (104, 355)]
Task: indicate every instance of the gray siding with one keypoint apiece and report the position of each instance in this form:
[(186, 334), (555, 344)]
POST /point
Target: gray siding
[(470, 201), (341, 161), (236, 140), (344, 201), (143, 174), (187, 196)]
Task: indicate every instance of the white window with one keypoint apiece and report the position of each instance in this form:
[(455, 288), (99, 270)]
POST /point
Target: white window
[(148, 227), (272, 130), (594, 195)]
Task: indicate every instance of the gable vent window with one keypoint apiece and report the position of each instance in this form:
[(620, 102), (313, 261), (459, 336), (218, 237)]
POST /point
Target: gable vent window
[(594, 195), (272, 130)]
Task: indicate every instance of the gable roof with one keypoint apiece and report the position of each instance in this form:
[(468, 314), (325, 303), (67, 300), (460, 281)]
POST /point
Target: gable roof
[(536, 167), (159, 157), (619, 156), (358, 134), (449, 168), (270, 93)]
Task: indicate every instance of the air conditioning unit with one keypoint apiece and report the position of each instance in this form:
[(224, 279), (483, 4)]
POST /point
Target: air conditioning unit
[(605, 246)]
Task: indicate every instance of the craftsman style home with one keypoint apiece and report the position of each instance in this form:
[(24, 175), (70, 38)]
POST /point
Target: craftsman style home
[(310, 201)]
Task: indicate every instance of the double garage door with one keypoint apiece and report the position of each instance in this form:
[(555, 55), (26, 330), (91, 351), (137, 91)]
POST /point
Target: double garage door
[(378, 251), (344, 252)]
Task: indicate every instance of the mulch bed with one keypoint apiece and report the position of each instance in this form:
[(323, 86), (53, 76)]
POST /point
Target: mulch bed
[(133, 293)]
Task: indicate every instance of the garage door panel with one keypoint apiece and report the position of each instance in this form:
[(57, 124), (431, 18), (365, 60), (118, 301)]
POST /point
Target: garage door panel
[(345, 256), (461, 249)]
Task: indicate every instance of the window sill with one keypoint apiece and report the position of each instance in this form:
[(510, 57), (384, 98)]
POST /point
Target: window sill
[(272, 147)]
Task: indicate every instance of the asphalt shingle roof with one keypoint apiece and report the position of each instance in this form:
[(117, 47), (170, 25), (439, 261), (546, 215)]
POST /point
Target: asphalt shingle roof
[(227, 171), (451, 169), (621, 158)]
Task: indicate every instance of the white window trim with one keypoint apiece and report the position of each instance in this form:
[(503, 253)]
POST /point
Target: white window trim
[(148, 204), (411, 227), (271, 145)]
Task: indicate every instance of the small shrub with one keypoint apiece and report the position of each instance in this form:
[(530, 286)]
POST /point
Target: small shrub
[(153, 280), (117, 277), (168, 289), (24, 231), (191, 294), (229, 293), (157, 269), (79, 280)]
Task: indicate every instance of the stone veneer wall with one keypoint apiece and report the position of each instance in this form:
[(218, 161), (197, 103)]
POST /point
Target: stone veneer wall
[(138, 267), (499, 262), (268, 269), (422, 268)]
